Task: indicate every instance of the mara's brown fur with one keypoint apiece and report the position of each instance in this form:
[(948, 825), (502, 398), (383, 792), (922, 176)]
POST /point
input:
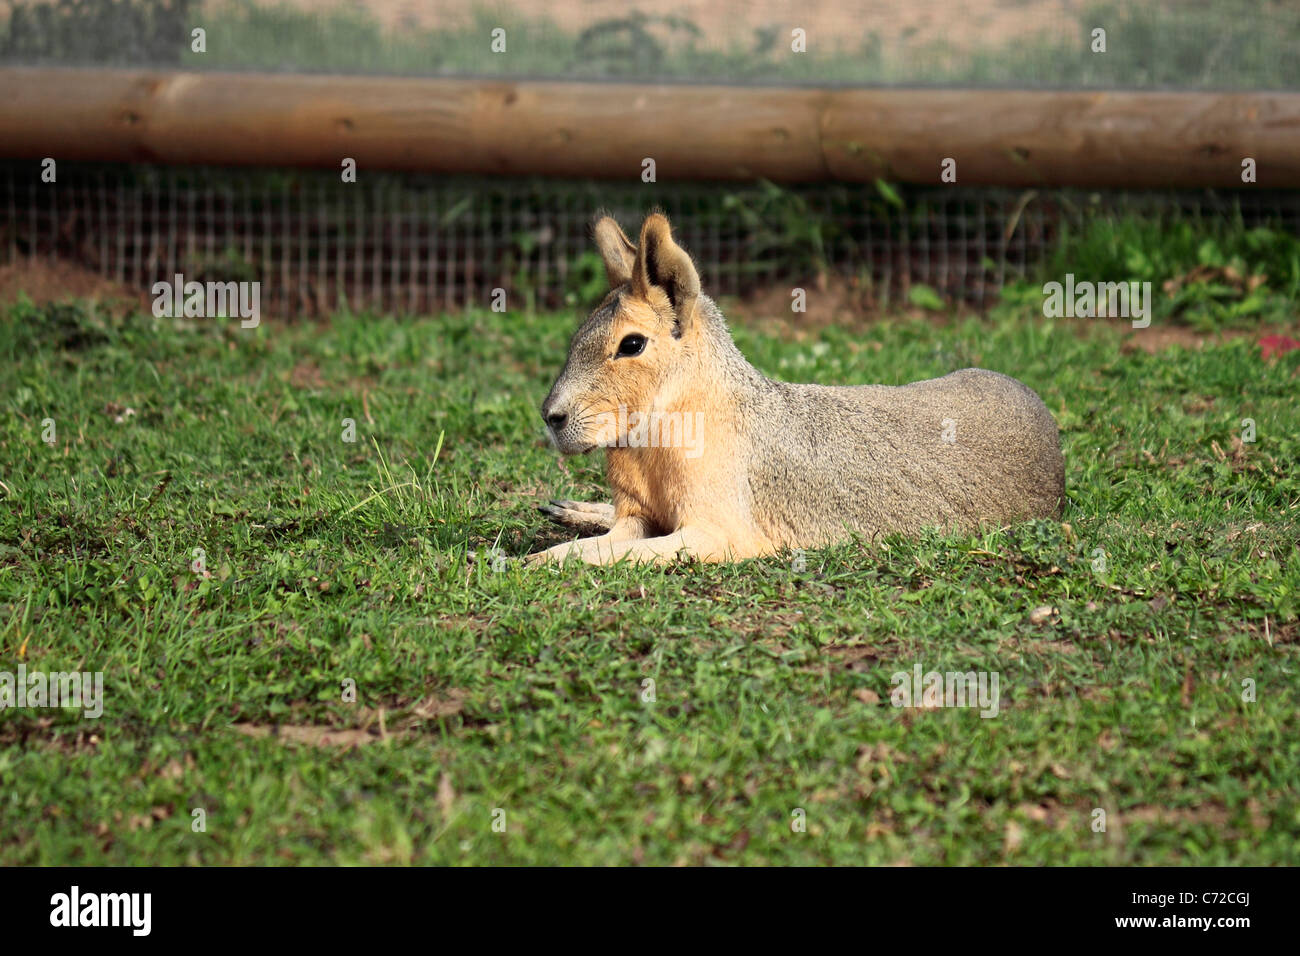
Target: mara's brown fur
[(708, 458)]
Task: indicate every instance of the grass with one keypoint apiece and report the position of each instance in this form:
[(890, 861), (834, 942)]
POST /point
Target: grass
[(1205, 273), (521, 691)]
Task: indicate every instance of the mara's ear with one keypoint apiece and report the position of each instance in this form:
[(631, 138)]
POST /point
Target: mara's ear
[(616, 249), (662, 262)]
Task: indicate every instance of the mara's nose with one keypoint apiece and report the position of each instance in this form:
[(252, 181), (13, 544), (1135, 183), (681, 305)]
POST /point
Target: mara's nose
[(555, 419)]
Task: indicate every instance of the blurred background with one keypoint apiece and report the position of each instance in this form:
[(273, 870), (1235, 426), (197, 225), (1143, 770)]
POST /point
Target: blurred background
[(408, 242), (1187, 44)]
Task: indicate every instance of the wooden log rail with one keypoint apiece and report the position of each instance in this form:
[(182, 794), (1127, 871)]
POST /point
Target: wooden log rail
[(607, 130)]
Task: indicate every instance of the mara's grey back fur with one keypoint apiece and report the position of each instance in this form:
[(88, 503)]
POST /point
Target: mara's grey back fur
[(971, 447)]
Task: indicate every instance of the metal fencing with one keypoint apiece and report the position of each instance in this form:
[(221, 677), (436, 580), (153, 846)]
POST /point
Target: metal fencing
[(410, 244)]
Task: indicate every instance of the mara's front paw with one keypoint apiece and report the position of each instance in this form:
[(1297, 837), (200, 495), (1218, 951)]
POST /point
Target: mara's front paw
[(537, 558), (555, 555)]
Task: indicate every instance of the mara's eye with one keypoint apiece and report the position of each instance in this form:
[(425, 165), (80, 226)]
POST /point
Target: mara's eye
[(631, 345)]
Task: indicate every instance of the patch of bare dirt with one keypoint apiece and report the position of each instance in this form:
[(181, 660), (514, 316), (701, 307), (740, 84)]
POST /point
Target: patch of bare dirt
[(374, 724), (46, 281), (313, 736), (1059, 817), (41, 732), (1158, 338), (832, 301), (306, 374)]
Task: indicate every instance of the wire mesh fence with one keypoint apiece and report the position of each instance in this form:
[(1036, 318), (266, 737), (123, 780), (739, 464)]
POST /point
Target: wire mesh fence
[(411, 244)]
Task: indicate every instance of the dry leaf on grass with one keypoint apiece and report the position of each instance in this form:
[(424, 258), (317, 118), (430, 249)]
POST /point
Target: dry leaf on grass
[(1013, 837), (310, 735), (375, 726), (1040, 615), (433, 706), (446, 796)]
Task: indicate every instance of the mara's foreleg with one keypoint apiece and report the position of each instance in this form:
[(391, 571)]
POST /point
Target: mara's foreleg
[(688, 542), (620, 529)]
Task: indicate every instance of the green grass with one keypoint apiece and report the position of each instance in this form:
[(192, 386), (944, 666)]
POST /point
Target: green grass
[(522, 689), (1209, 274)]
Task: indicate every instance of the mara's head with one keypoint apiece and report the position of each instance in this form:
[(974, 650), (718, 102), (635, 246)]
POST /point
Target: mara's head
[(637, 349)]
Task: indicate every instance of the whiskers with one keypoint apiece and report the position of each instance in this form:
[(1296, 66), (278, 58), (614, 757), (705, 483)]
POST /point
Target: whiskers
[(580, 419)]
